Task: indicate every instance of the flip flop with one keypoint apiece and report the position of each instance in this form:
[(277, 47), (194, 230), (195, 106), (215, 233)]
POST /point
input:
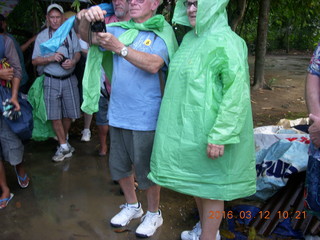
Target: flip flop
[(7, 201), (21, 179)]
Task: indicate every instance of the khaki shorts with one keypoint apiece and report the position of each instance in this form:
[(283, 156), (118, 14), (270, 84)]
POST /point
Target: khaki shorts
[(131, 150)]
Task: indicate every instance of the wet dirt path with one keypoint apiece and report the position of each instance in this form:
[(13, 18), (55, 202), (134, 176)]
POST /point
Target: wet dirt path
[(76, 199)]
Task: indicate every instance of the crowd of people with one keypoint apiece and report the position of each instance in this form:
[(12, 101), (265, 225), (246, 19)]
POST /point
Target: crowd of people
[(178, 117)]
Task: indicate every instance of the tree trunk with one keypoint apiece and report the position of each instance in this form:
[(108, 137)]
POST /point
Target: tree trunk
[(261, 45), (238, 15)]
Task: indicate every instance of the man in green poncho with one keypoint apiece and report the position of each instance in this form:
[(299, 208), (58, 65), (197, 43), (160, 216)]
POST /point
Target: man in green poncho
[(204, 141), (142, 48)]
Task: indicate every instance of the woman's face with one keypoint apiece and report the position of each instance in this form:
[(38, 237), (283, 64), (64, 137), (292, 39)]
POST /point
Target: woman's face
[(192, 7)]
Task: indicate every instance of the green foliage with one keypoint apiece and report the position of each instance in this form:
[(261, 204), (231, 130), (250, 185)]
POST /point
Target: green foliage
[(292, 24), (26, 19), (76, 5)]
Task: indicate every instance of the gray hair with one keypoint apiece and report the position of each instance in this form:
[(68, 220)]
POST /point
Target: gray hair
[(160, 2)]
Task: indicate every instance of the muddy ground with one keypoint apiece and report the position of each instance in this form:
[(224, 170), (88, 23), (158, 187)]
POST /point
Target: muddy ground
[(286, 75), (76, 199)]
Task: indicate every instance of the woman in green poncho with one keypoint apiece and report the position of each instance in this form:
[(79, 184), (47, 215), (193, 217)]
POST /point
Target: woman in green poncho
[(204, 138)]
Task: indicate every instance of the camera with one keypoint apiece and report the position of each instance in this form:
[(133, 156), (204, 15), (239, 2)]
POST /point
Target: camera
[(99, 26), (63, 59)]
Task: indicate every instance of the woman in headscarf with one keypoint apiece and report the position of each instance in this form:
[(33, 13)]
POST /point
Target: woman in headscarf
[(204, 138)]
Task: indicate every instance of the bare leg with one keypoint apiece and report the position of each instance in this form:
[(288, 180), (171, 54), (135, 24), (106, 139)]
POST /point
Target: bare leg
[(22, 172), (199, 206), (153, 197), (3, 184), (127, 186), (103, 131), (59, 130), (66, 122), (210, 226), (87, 120)]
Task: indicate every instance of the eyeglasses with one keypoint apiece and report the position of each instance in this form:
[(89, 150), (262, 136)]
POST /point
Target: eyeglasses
[(189, 4), (137, 1)]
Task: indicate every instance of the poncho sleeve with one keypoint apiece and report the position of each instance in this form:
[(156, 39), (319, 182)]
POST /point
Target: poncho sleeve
[(235, 103)]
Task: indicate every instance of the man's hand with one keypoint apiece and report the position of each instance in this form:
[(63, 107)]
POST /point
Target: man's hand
[(109, 42), (57, 57), (81, 14), (214, 151), (314, 130), (6, 74), (67, 64), (95, 14)]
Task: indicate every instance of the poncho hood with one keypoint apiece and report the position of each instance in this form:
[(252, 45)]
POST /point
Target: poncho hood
[(211, 16)]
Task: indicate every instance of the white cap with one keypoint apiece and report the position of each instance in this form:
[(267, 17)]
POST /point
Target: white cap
[(54, 5)]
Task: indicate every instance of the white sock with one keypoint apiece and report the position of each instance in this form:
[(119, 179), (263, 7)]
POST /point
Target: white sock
[(136, 205), (64, 146), (153, 213)]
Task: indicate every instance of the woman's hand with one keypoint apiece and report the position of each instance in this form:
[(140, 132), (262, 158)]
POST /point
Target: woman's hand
[(214, 151)]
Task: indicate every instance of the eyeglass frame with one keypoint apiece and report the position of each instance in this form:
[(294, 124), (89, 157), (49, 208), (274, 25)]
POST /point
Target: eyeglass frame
[(189, 4), (138, 1)]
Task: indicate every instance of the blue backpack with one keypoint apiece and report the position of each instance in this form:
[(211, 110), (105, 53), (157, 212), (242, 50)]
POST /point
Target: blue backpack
[(24, 124)]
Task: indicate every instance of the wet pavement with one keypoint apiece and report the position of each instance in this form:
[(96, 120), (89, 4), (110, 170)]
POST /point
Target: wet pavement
[(75, 199)]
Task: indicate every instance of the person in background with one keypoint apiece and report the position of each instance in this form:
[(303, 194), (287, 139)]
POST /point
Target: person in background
[(61, 91), (204, 144), (121, 13), (11, 146), (134, 102), (312, 92), (20, 49), (79, 70), (87, 118)]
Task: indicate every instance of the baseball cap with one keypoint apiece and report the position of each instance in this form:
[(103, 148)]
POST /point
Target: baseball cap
[(54, 5)]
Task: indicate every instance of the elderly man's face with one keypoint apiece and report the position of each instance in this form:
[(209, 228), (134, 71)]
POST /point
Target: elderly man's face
[(54, 18), (141, 10), (121, 8), (192, 7)]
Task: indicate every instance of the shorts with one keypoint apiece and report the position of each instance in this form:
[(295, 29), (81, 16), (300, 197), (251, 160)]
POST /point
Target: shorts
[(102, 114), (130, 149), (61, 98), (11, 147)]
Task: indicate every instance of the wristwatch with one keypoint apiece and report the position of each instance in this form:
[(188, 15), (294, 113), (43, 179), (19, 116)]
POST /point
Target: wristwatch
[(124, 51)]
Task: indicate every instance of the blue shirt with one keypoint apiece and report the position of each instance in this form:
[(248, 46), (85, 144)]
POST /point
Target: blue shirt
[(314, 66), (135, 94)]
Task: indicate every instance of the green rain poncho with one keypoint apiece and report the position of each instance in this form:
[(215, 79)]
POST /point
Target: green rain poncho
[(206, 100)]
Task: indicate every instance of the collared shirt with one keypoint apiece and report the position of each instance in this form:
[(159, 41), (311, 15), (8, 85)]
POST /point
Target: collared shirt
[(314, 66), (136, 96), (68, 49)]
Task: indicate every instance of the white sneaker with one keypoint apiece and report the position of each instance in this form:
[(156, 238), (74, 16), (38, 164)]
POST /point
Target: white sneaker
[(86, 135), (61, 154), (195, 233), (126, 215), (149, 224), (72, 149)]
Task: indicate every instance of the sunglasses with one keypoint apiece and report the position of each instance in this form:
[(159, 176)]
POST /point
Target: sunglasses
[(137, 1), (189, 4)]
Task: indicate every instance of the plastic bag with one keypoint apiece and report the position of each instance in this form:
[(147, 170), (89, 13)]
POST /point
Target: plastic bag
[(279, 153)]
